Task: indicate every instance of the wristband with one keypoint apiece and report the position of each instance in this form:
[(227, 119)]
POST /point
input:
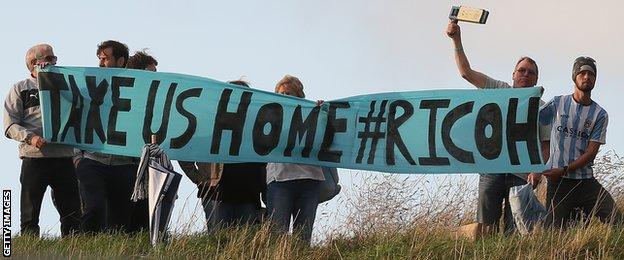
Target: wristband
[(28, 138)]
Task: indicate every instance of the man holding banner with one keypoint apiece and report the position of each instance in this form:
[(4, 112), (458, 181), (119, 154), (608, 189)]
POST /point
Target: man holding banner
[(579, 129), (494, 188), (106, 180), (43, 164)]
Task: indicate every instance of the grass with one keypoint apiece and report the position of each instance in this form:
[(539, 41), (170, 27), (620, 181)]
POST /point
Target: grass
[(387, 217), (595, 241)]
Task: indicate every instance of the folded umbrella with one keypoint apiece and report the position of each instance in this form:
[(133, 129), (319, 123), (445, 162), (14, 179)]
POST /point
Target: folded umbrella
[(157, 182)]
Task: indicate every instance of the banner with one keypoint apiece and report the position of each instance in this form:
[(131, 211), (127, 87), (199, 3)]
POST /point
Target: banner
[(199, 119)]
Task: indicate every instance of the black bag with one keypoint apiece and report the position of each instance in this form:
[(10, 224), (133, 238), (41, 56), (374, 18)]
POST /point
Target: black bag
[(329, 187)]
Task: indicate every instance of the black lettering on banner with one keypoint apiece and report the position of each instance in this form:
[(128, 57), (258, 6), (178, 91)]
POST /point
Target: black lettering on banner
[(299, 128), (393, 136), (75, 114), (233, 121), (375, 135), (54, 83), (447, 125), (334, 125), (433, 106), (489, 147), (94, 121), (523, 131), (161, 134), (184, 138), (119, 104), (272, 114)]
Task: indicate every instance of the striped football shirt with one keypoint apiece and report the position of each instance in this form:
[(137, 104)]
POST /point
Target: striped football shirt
[(573, 126)]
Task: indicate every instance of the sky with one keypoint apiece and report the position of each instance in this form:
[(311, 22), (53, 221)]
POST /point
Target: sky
[(337, 49)]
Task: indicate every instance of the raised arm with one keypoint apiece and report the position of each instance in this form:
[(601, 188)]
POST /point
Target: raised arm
[(475, 78)]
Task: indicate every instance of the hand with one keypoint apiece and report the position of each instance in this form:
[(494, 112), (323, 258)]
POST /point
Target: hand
[(42, 63), (534, 179), (452, 30), (37, 141), (319, 102), (553, 174)]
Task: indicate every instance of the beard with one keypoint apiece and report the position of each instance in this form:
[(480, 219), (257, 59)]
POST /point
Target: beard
[(585, 88)]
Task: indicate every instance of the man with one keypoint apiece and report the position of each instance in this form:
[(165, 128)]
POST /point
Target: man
[(106, 181), (43, 164), (142, 61), (140, 216), (579, 128), (494, 188)]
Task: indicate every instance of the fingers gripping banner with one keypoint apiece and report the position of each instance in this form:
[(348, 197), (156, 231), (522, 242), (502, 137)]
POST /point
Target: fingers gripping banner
[(198, 119)]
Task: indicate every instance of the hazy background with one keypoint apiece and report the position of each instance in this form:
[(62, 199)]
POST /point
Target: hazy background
[(337, 48)]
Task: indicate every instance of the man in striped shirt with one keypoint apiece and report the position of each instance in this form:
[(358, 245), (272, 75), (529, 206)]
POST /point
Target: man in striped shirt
[(579, 127)]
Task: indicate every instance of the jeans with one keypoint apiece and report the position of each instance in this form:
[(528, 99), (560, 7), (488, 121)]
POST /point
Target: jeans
[(589, 195), (223, 214), (297, 199), (493, 191), (58, 173), (106, 191)]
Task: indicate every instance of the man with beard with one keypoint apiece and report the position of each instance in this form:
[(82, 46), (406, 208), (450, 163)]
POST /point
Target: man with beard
[(106, 181), (579, 127)]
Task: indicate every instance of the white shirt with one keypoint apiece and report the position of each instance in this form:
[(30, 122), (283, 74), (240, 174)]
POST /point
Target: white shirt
[(292, 171)]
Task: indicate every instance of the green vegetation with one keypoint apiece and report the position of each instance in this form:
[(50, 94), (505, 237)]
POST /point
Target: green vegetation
[(419, 242), (387, 217)]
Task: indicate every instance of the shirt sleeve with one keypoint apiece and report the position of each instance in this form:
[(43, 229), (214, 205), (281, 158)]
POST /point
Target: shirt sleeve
[(13, 116), (544, 129), (547, 113), (599, 133), (493, 83)]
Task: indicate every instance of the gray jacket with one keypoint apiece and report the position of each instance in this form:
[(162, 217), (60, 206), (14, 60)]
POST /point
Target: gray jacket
[(22, 118)]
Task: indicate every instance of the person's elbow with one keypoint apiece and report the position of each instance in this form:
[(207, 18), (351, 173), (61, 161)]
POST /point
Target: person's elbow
[(465, 75)]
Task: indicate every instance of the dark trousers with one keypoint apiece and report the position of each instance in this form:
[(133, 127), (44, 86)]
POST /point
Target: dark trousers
[(297, 199), (225, 214), (493, 191), (106, 192), (58, 173), (588, 195), (140, 217)]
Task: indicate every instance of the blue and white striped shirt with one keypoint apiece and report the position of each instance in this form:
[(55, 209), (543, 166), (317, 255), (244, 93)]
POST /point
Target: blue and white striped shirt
[(573, 126)]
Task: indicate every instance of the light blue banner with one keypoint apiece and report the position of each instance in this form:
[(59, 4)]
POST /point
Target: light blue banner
[(199, 119)]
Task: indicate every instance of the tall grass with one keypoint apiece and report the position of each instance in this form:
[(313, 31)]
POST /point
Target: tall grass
[(387, 216)]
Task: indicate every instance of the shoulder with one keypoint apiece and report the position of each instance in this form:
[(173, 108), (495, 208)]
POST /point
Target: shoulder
[(494, 83), (25, 84), (600, 110)]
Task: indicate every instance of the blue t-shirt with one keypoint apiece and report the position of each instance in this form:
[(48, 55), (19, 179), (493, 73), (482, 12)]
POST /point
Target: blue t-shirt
[(573, 126)]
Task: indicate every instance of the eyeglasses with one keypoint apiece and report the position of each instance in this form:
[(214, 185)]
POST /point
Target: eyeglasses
[(527, 71), (48, 58)]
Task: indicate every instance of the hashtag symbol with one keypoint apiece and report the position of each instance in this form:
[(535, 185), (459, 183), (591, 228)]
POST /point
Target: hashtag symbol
[(375, 135)]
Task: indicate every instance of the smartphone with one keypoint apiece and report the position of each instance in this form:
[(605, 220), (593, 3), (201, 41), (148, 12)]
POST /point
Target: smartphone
[(469, 14)]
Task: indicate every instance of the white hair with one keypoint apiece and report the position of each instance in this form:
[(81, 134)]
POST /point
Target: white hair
[(33, 52)]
